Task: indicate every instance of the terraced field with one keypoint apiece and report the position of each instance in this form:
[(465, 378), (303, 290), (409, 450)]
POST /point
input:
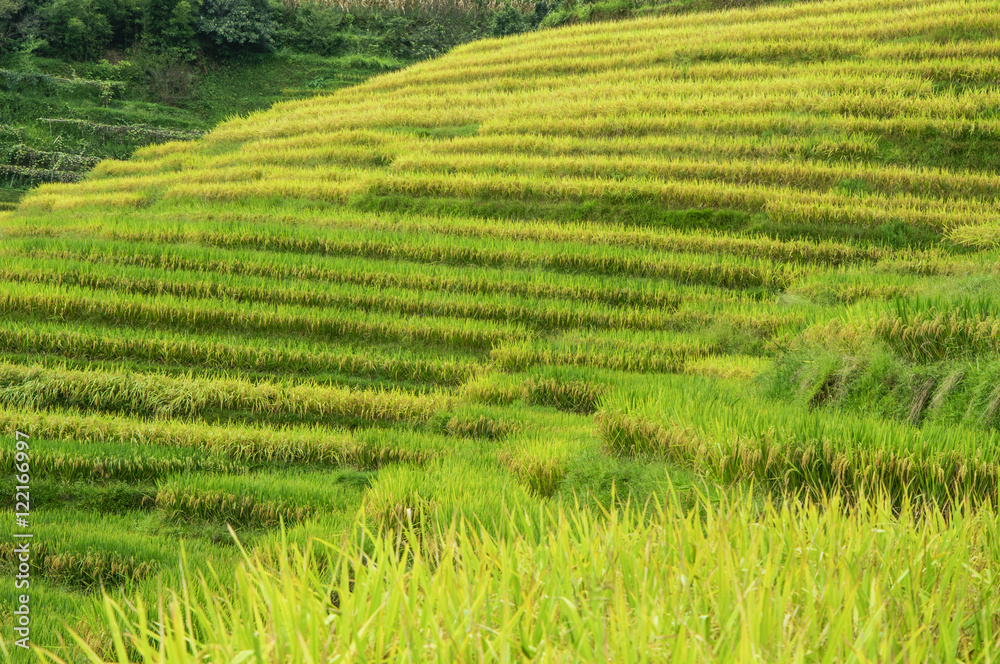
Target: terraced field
[(714, 261)]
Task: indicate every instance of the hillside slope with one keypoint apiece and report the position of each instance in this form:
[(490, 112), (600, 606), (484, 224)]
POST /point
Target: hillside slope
[(681, 250), (58, 119)]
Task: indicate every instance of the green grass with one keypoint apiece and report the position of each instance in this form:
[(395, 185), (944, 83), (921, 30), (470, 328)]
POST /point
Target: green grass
[(574, 586), (667, 338), (265, 499)]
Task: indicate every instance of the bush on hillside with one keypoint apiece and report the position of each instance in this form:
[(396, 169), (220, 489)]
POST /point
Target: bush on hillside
[(425, 34), (194, 30), (312, 27), (228, 27), (10, 12), (171, 25), (75, 29), (20, 27), (508, 21)]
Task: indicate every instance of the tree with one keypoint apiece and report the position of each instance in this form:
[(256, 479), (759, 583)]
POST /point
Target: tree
[(230, 26), (312, 27), (75, 29), (10, 12), (508, 21), (171, 24), (125, 19)]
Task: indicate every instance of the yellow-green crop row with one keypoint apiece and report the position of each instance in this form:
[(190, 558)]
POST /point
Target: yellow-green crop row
[(170, 312), (372, 273), (167, 396), (242, 443), (86, 551), (194, 285), (705, 241), (737, 271), (261, 499), (923, 329), (89, 342), (793, 449), (69, 461)]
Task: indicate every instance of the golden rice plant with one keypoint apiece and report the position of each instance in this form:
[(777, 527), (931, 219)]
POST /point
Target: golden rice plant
[(88, 571)]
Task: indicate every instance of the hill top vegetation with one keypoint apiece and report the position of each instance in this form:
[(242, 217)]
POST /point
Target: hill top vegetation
[(668, 337), (85, 30), (84, 80)]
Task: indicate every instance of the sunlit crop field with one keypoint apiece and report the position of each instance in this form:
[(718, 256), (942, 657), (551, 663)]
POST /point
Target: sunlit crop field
[(668, 339)]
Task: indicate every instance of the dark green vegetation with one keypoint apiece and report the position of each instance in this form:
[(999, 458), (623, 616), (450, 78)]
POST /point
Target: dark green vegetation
[(199, 30)]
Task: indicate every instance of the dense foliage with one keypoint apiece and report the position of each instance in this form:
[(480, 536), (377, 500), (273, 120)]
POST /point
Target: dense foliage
[(406, 29), (88, 29)]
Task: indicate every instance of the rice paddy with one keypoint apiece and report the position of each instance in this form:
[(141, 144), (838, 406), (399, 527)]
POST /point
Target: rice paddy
[(673, 338)]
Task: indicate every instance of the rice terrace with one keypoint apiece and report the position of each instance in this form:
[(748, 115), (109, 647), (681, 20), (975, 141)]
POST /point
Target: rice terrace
[(674, 337)]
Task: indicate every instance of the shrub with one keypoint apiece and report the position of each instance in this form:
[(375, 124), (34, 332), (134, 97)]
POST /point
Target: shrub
[(75, 29), (124, 17), (426, 34), (314, 28), (171, 25), (11, 14), (229, 26), (171, 80), (508, 21)]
